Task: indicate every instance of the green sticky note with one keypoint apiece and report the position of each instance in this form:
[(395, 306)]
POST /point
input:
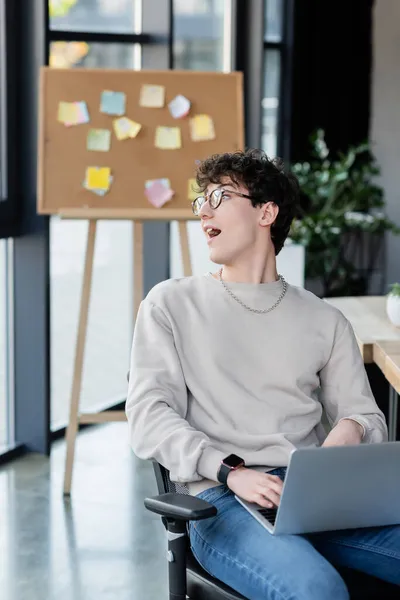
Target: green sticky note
[(99, 140)]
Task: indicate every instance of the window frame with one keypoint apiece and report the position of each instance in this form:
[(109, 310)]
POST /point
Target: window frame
[(285, 49), (10, 216)]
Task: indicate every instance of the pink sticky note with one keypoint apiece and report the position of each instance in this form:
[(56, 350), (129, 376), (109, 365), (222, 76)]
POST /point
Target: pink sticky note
[(158, 194)]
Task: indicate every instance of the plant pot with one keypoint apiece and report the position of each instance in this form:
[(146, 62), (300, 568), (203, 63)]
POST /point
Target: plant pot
[(393, 309)]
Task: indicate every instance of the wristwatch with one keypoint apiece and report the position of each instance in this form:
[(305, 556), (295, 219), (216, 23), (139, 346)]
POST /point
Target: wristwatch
[(228, 464)]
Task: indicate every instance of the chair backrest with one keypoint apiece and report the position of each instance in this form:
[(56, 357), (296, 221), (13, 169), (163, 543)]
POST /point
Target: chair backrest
[(164, 483)]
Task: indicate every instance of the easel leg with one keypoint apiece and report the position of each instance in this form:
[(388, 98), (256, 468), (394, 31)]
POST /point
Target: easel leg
[(185, 251), (79, 353), (138, 289)]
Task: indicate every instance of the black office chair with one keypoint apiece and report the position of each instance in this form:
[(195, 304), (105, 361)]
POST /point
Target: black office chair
[(186, 576)]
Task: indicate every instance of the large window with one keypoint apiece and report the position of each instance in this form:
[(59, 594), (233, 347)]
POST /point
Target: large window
[(110, 315), (111, 16), (92, 55), (6, 433), (273, 44), (109, 332), (270, 102), (3, 344), (199, 34)]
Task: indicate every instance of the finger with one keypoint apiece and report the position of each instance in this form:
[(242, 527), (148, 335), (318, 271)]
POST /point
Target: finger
[(268, 477), (276, 486), (261, 500), (275, 479), (271, 495), (272, 483)]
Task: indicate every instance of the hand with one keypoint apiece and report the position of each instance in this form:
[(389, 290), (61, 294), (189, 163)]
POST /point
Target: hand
[(256, 487), (346, 433)]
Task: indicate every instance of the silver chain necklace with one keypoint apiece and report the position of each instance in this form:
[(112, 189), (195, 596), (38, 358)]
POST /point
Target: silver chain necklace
[(262, 311)]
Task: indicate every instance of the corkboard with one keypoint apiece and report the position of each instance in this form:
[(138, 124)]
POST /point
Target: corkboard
[(63, 156)]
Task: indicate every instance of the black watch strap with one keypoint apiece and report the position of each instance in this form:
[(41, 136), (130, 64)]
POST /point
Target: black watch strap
[(223, 473), (230, 463)]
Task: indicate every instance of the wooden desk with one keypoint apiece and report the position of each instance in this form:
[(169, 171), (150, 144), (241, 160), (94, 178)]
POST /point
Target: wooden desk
[(379, 342), (367, 314), (387, 357)]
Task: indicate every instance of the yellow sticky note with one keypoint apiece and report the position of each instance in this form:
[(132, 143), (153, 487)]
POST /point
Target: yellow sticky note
[(192, 187), (68, 113), (98, 178), (62, 111), (152, 96), (202, 128), (126, 128), (168, 138)]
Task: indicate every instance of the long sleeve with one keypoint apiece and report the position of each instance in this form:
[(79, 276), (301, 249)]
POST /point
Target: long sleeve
[(157, 401), (345, 389)]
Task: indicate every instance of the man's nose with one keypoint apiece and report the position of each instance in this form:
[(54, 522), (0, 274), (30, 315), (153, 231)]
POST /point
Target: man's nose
[(205, 210)]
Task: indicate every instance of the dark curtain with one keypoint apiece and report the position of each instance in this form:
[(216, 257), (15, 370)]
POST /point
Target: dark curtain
[(332, 60)]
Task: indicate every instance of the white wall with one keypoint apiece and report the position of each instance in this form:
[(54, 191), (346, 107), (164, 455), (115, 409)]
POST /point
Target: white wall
[(290, 260), (385, 116)]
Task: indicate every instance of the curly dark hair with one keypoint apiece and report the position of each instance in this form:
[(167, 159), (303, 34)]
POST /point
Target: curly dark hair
[(265, 180)]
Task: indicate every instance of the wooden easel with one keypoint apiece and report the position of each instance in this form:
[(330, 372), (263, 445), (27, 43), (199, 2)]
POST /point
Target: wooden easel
[(75, 417)]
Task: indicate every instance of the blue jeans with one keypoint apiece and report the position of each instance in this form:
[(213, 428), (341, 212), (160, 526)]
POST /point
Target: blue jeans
[(236, 549)]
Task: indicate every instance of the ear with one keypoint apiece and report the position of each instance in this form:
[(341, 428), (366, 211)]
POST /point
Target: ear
[(268, 214)]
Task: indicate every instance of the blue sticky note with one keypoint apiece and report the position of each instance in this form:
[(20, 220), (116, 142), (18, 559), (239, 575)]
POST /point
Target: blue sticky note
[(112, 103)]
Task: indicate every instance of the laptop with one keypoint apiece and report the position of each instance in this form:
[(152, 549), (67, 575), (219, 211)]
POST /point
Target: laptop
[(333, 488)]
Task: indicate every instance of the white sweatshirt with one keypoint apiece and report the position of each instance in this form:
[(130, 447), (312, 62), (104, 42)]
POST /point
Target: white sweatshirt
[(209, 378)]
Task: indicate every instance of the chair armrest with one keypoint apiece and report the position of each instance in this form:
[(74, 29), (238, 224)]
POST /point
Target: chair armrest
[(181, 507)]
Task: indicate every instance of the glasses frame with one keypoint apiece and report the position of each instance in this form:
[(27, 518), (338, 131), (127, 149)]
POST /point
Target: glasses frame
[(215, 205)]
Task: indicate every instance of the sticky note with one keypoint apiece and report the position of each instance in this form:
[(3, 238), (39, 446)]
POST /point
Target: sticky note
[(192, 190), (168, 138), (91, 174), (202, 128), (126, 128), (112, 103), (179, 107), (98, 178), (83, 113), (158, 191), (98, 192), (66, 112), (152, 96), (164, 180), (72, 113), (99, 140)]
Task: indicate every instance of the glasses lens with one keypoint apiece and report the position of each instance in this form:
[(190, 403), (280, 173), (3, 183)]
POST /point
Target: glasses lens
[(215, 198), (197, 204)]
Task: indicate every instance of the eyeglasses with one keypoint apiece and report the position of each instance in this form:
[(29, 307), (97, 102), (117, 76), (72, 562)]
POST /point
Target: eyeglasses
[(215, 199)]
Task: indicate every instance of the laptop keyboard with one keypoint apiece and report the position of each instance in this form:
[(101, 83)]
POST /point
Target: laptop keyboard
[(269, 514)]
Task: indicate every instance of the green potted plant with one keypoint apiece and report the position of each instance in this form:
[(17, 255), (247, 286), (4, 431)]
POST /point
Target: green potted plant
[(393, 304), (341, 214)]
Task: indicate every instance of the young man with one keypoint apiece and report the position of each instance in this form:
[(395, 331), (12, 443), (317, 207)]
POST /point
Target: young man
[(240, 362)]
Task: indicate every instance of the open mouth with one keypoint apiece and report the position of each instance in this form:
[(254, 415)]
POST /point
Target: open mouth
[(212, 232)]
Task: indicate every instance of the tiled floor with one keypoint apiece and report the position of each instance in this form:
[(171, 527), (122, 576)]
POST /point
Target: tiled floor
[(101, 544)]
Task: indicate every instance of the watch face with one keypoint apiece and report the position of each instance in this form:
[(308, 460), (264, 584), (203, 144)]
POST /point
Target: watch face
[(233, 461)]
